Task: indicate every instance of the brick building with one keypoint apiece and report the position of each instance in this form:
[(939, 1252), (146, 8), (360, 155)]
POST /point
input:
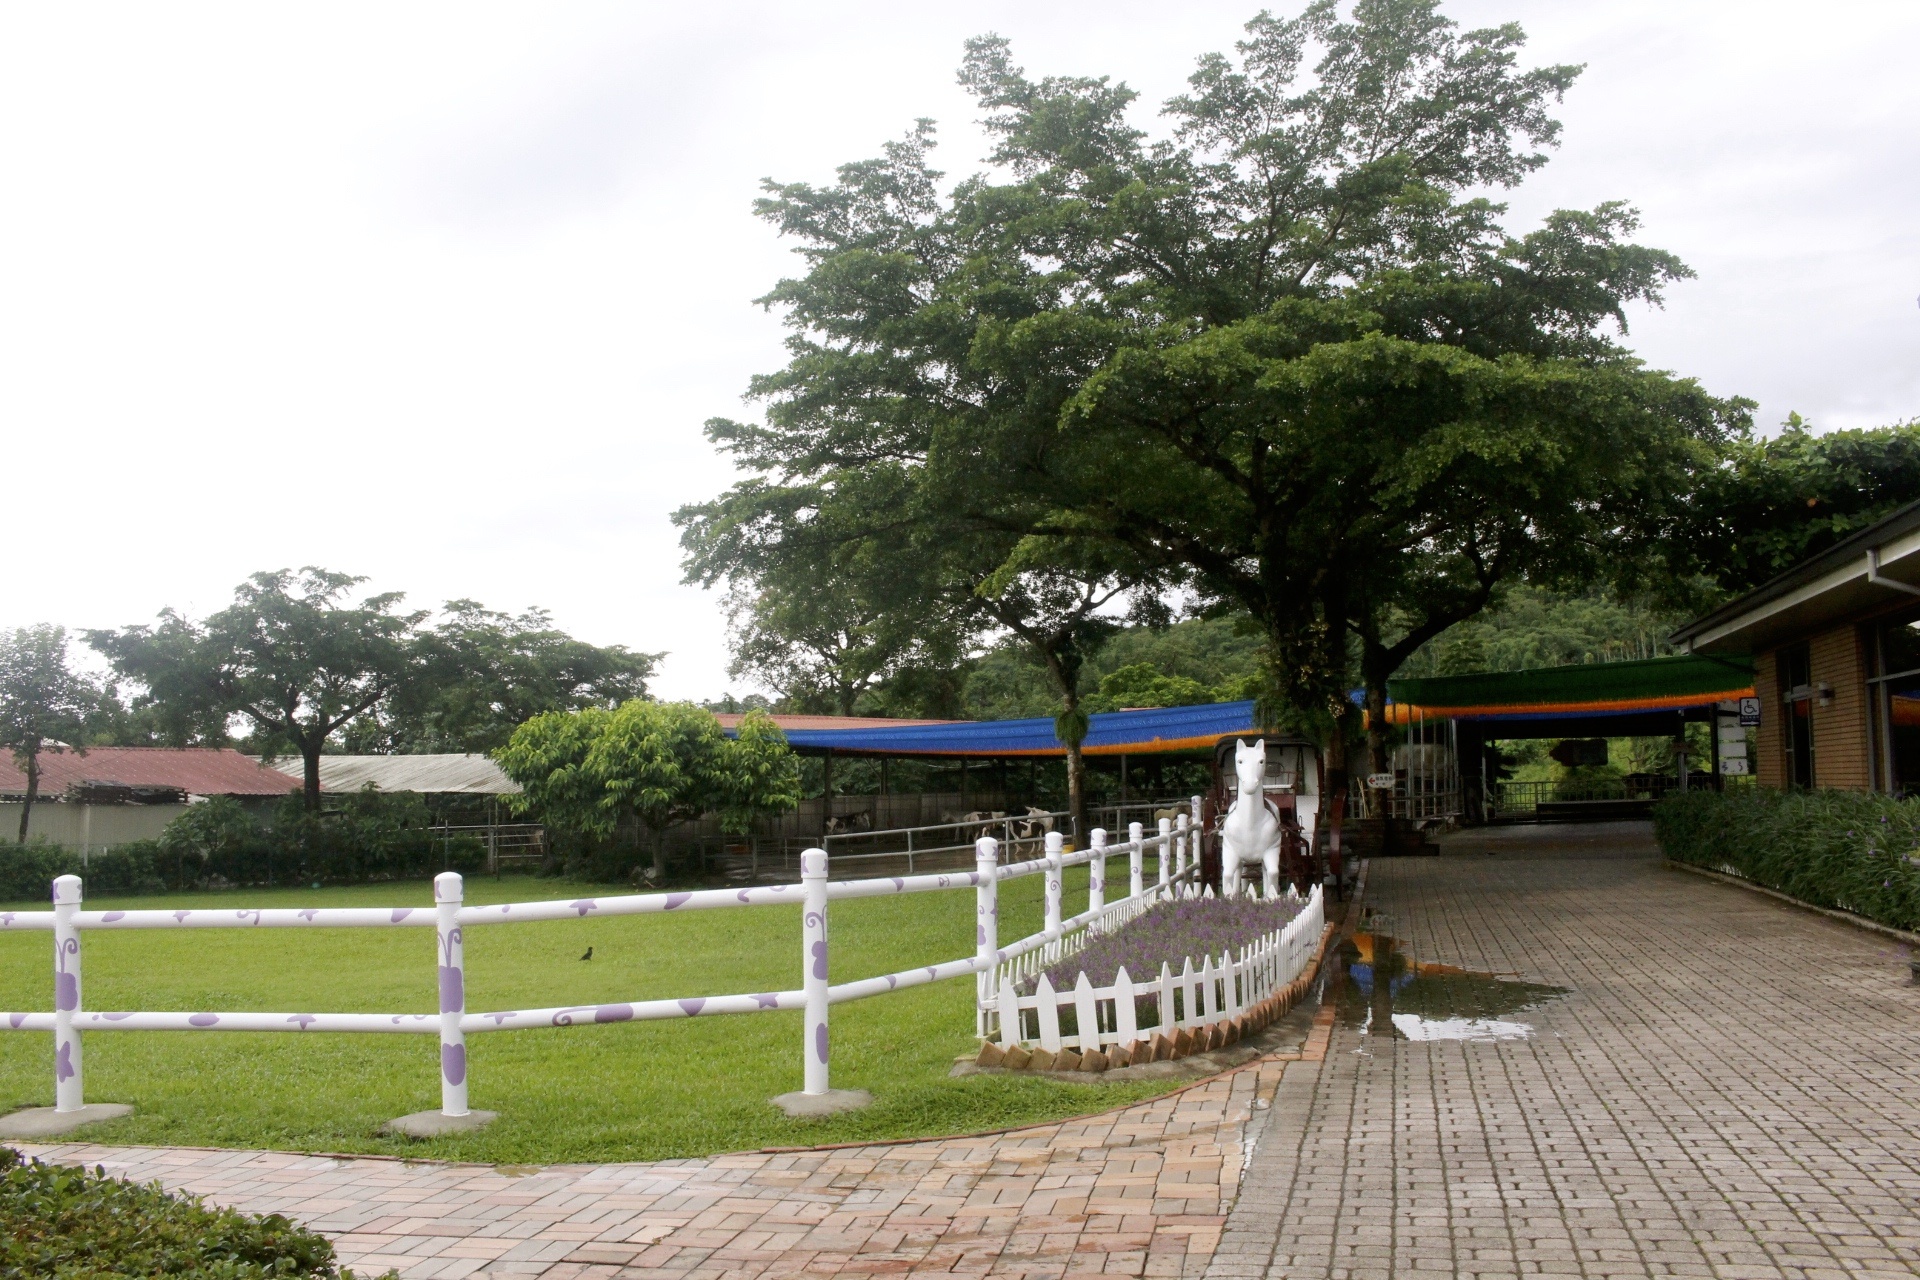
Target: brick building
[(1836, 649)]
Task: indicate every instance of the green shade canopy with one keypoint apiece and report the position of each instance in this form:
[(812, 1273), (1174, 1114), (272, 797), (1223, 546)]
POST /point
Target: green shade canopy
[(1649, 684)]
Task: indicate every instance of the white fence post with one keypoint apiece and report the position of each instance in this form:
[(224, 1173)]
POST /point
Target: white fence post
[(1135, 880), (986, 932), (813, 881), (1049, 1011), (1166, 849), (1097, 871), (1086, 1013), (1193, 839), (1126, 1024), (1054, 870), (68, 1093), (447, 892)]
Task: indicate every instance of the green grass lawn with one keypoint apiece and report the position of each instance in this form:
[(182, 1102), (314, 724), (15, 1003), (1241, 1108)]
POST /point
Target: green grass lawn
[(631, 1091)]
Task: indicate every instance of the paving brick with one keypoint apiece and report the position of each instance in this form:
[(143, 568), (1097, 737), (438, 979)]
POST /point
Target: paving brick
[(1731, 1089)]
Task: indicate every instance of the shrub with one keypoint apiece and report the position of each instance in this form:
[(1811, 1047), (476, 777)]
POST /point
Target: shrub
[(1851, 850), (61, 1221)]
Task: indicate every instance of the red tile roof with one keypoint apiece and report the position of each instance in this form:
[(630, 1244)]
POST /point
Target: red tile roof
[(205, 771)]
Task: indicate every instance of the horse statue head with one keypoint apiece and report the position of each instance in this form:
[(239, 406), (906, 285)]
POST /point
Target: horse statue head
[(1250, 766)]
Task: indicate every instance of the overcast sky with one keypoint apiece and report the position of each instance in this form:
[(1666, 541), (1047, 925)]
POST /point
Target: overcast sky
[(441, 294)]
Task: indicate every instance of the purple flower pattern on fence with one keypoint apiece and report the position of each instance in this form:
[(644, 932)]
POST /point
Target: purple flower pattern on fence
[(1171, 932)]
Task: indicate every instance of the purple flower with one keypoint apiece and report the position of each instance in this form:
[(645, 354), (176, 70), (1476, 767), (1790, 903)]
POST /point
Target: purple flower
[(1171, 933)]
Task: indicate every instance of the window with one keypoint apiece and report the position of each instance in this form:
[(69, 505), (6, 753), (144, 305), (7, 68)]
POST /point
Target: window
[(1893, 700), (1796, 692)]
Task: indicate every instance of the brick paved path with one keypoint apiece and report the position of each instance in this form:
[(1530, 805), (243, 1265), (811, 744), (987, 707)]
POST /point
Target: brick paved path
[(1142, 1191), (1732, 1089)]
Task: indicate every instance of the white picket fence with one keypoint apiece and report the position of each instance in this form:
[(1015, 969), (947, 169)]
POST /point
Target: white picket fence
[(1219, 991), (1175, 853)]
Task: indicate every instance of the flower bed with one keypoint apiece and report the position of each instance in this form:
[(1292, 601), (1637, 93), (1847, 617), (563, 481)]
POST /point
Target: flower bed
[(1171, 933), (1854, 851)]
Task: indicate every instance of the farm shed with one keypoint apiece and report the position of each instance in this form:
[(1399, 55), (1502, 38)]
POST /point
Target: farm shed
[(111, 795)]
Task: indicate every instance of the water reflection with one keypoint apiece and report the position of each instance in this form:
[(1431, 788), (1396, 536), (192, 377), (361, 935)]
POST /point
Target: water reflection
[(1382, 989)]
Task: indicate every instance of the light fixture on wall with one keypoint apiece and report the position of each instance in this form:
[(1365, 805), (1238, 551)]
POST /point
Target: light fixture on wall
[(1826, 693)]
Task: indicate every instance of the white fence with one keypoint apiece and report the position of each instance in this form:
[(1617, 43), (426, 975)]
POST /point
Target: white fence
[(1108, 1016), (450, 919)]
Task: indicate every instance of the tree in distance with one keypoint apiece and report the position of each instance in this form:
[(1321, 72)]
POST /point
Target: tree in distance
[(294, 654), (1285, 357), (478, 674), (44, 706), (657, 763)]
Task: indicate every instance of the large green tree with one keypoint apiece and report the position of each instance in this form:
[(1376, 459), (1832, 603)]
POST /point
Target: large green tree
[(44, 705), (658, 763), (1284, 354), (296, 655), (479, 673), (1780, 499)]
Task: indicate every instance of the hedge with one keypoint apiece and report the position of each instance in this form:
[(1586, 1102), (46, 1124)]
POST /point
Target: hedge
[(366, 837), (56, 1220), (1851, 850)]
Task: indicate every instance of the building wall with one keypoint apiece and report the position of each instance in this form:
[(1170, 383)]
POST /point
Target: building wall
[(98, 826), (1840, 728), (1840, 748), (1770, 747)]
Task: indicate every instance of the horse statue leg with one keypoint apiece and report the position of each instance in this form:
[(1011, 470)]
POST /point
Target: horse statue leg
[(1270, 865)]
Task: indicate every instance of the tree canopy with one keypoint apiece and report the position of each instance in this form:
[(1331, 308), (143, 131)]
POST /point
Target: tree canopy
[(44, 705), (1283, 358), (295, 654), (658, 763)]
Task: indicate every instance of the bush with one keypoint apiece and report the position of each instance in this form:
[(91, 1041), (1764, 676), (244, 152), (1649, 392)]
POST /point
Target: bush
[(61, 1221), (1851, 850), (27, 871), (366, 836)]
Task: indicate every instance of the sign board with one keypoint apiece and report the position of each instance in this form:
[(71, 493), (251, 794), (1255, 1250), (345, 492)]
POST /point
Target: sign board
[(1734, 768), (1380, 781), (1749, 712)]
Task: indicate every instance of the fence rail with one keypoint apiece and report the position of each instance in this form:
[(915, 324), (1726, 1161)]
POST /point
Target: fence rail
[(1175, 855)]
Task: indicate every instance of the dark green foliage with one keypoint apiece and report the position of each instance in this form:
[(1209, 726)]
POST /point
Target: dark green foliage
[(1533, 627), (59, 1221), (1781, 500), (480, 674), (1851, 850), (27, 870), (358, 838)]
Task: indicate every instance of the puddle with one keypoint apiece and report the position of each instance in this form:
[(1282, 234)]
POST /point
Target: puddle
[(1382, 989)]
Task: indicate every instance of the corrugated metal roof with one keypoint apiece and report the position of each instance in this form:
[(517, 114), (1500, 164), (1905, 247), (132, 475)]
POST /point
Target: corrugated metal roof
[(202, 771), (430, 775)]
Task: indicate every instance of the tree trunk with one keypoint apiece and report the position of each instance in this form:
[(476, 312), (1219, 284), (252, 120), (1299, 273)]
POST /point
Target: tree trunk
[(1376, 725), (1077, 795), (657, 838), (33, 787), (1076, 768), (310, 775)]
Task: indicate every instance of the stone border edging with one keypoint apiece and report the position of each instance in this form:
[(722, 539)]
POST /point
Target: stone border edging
[(1832, 913)]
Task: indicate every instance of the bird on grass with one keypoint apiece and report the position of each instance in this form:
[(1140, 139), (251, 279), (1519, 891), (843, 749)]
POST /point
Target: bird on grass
[(589, 954)]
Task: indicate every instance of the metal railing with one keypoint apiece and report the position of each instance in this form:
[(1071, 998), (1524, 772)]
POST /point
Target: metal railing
[(1511, 799)]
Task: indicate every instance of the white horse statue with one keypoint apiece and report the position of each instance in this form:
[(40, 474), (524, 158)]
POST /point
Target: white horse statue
[(1251, 833)]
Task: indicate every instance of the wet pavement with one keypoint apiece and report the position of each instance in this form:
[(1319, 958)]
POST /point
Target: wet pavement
[(1381, 989), (1565, 1059)]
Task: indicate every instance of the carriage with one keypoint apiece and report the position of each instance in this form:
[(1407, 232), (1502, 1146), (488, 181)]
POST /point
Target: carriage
[(1293, 787)]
